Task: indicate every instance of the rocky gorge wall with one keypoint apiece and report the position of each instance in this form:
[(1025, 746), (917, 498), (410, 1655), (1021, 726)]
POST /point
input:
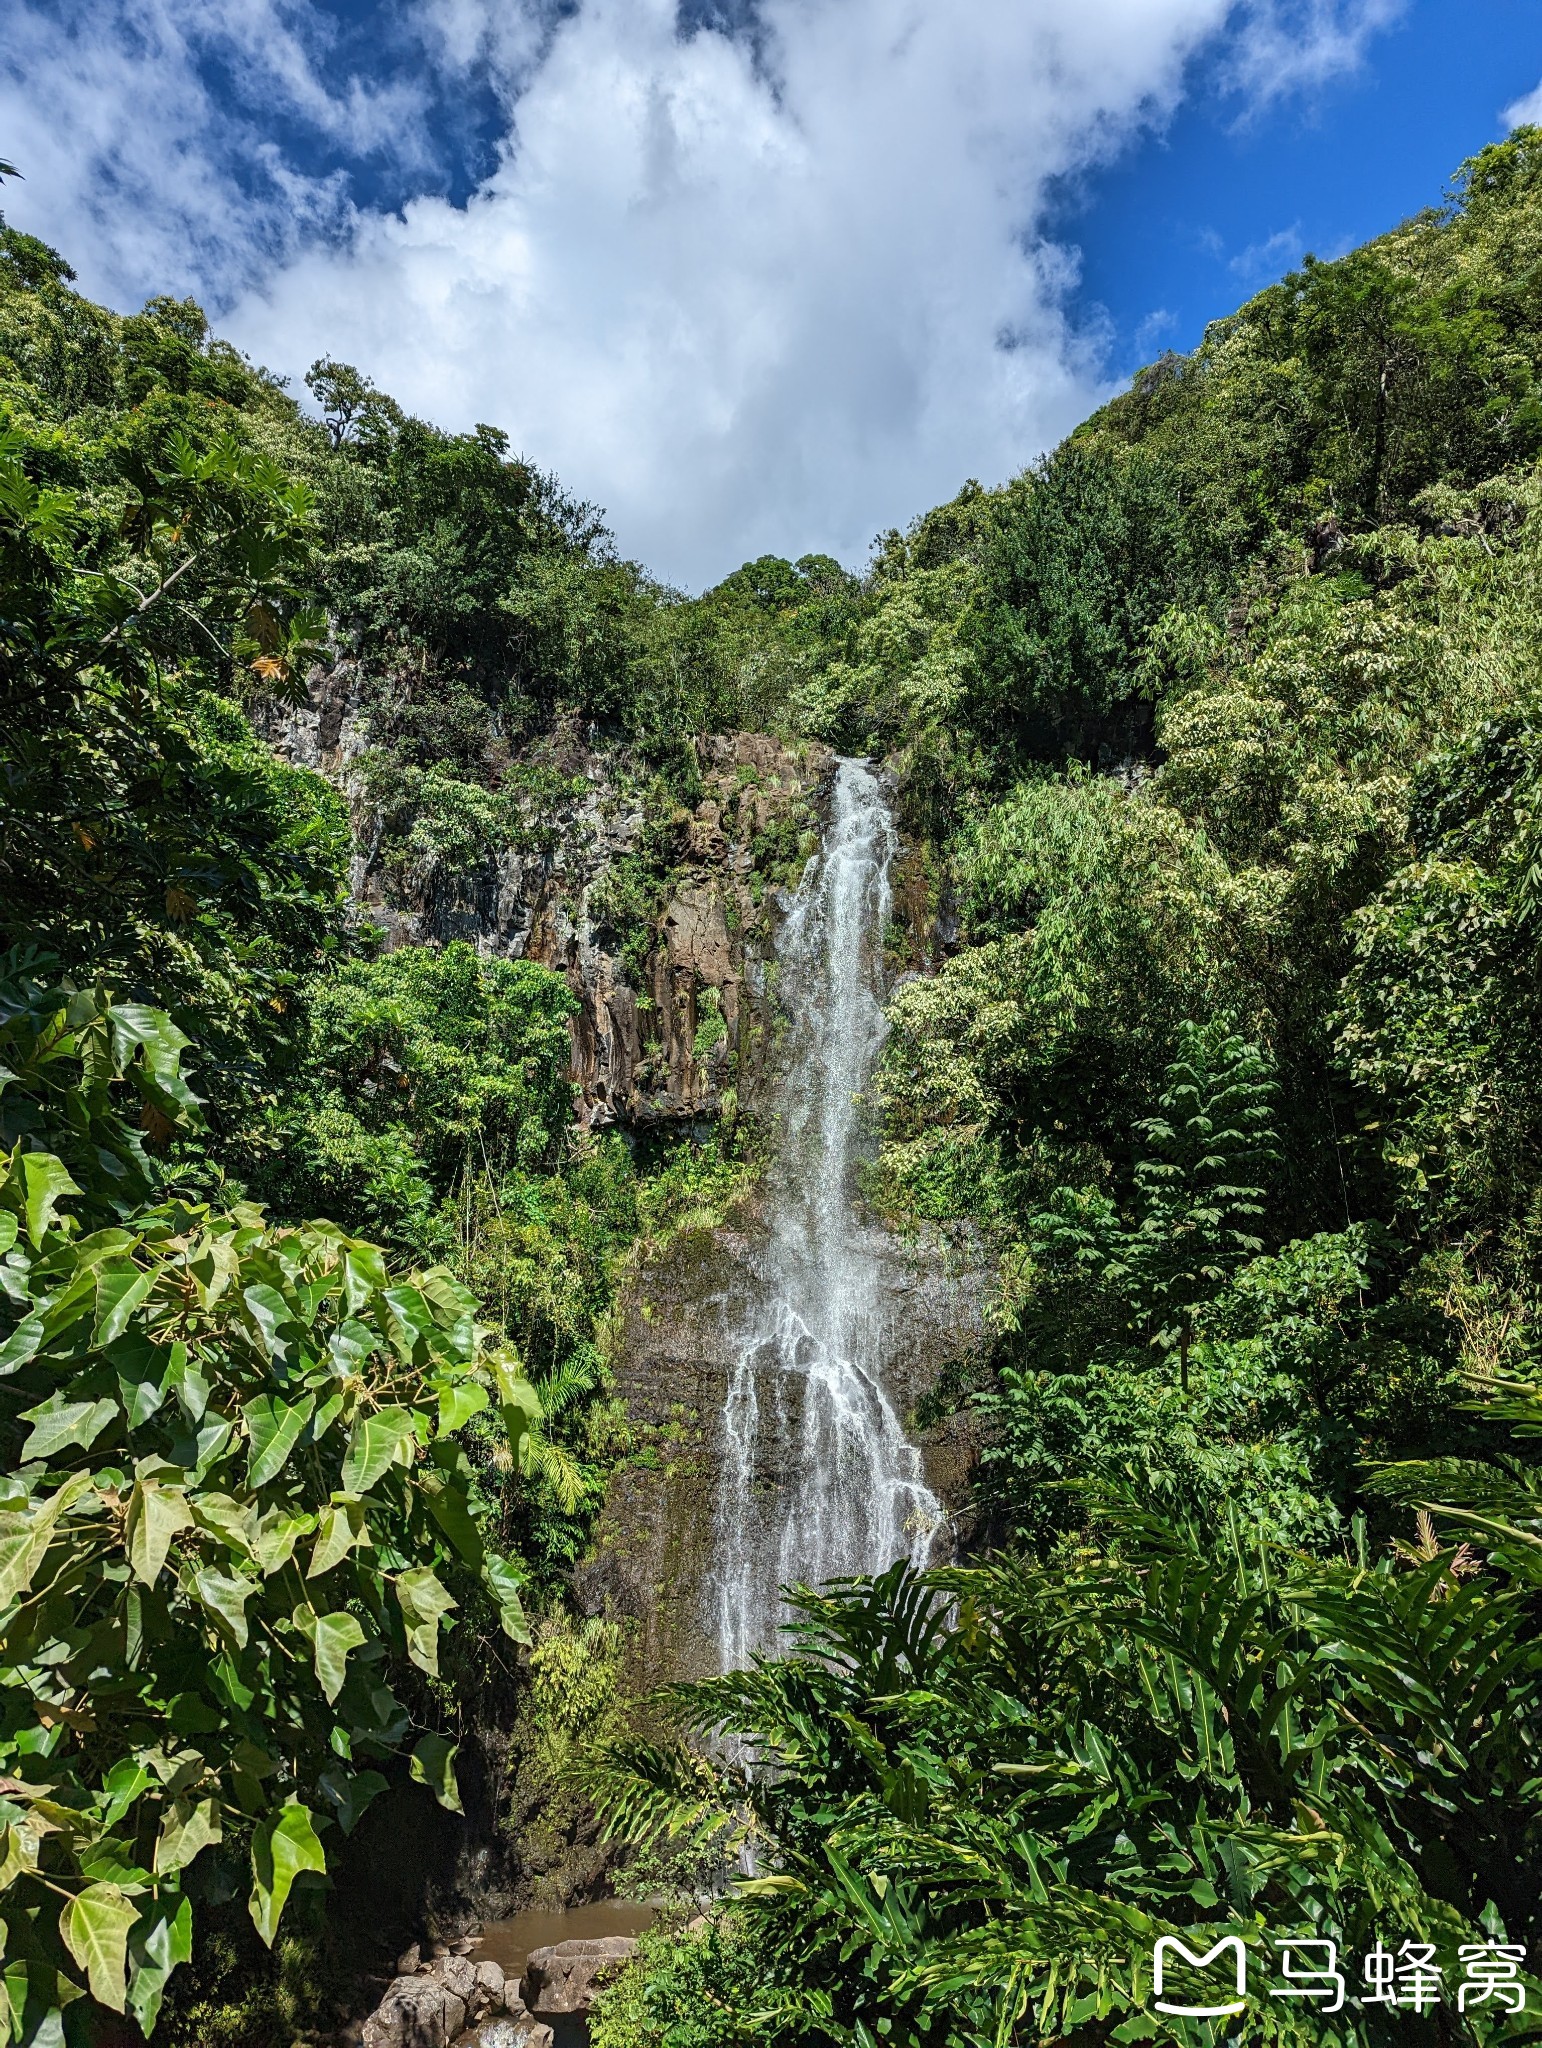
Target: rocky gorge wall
[(678, 1023), (675, 1008), (650, 1564)]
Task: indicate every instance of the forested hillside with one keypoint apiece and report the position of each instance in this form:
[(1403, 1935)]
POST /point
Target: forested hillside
[(1219, 749), (1223, 723), (286, 1457)]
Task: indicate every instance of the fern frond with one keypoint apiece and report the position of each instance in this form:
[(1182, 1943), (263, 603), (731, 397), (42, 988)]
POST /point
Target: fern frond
[(642, 1790), (555, 1466)]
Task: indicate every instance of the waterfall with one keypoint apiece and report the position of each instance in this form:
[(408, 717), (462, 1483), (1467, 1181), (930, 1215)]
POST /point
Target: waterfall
[(819, 1479)]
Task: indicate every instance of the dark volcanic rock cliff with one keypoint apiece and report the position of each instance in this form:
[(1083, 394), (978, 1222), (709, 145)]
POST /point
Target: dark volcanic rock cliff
[(685, 1317), (676, 1006), (664, 924)]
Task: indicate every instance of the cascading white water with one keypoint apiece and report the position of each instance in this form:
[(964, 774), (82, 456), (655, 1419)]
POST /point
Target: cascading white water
[(820, 1480)]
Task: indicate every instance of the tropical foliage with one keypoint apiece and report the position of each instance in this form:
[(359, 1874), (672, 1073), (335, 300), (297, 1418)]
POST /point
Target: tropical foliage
[(272, 1491), (1231, 777), (1218, 743), (984, 1795), (233, 1487)]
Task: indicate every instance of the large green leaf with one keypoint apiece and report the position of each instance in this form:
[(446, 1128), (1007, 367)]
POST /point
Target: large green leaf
[(186, 1379), (448, 1505), (189, 1826), (519, 1401), (25, 1534), (339, 1528), (224, 1596), (323, 1419), (451, 1296), (58, 1423), (156, 1515), (283, 1844), (270, 1312), (332, 1637), (95, 1926), (46, 1181), (22, 1344), (63, 1311), (276, 1535), (504, 1579), (273, 1429), (458, 1403), (123, 1785), (162, 1940), (365, 1274), (372, 1447), (137, 1027), (433, 1765), (423, 1600), (120, 1290), (35, 1995), (143, 1371), (410, 1322), (19, 1851), (230, 1519)]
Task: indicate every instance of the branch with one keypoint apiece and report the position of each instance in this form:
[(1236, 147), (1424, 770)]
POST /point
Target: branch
[(145, 602)]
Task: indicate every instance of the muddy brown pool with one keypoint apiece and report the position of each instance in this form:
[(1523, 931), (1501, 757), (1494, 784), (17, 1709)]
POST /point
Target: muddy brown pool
[(509, 1942)]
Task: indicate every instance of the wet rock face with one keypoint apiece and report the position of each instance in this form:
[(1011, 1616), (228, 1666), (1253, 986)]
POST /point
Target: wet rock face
[(430, 2004), (509, 2033), (671, 1015), (702, 1019), (686, 1315), (564, 1977)]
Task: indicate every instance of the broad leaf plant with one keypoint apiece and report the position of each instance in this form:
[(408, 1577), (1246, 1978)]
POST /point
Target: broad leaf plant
[(233, 1504)]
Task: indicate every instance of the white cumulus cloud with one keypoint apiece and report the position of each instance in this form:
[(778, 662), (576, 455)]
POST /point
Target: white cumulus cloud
[(763, 290), (148, 178), (1526, 111), (1283, 48), (1276, 252)]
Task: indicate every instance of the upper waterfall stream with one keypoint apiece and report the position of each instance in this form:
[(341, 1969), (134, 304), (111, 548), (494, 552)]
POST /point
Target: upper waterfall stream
[(806, 1397)]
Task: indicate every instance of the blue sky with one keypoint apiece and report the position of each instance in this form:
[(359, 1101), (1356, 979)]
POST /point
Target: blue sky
[(755, 275), (1188, 222)]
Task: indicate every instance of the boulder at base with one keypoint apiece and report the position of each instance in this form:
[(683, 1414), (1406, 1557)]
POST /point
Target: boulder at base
[(564, 1977), (417, 2012), (431, 2009), (508, 2032)]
